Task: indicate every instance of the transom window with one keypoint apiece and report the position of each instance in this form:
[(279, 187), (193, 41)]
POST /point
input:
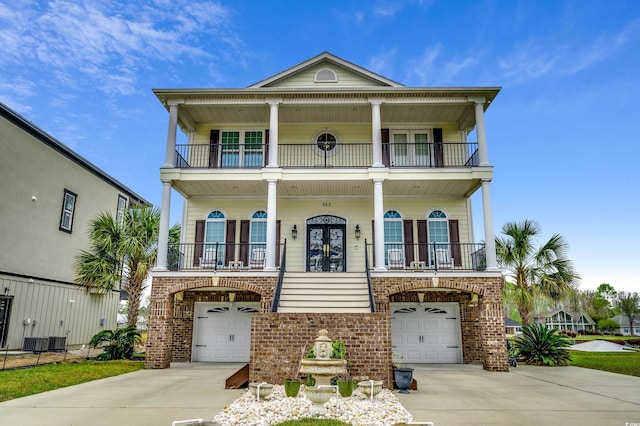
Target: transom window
[(68, 209)]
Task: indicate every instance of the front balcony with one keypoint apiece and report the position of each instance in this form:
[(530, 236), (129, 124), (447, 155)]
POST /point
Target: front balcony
[(219, 256), (341, 155), (398, 257), (431, 257)]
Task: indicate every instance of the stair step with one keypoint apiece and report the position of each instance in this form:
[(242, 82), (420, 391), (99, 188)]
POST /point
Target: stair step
[(299, 310), (327, 298)]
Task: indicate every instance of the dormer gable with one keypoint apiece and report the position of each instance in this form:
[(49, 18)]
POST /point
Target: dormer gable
[(326, 71)]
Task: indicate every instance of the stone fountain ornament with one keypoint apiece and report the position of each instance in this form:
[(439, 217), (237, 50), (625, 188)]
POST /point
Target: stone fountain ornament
[(322, 368)]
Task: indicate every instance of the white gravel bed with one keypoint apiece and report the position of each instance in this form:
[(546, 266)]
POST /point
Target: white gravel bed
[(357, 410)]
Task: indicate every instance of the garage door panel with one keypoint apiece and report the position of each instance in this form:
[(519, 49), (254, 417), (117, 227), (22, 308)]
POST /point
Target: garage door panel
[(222, 333), (427, 334)]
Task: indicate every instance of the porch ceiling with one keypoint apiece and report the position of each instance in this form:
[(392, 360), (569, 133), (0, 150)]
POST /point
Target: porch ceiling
[(461, 114), (326, 188)]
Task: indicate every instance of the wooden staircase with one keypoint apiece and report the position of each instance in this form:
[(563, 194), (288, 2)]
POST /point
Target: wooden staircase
[(324, 292)]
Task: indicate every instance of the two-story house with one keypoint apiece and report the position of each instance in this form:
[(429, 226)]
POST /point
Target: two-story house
[(327, 196), (47, 198)]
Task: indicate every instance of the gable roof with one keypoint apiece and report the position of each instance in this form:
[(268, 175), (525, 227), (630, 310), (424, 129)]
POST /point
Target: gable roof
[(39, 134), (330, 59), (575, 316)]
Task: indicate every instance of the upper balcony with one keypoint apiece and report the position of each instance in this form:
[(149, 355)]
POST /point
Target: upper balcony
[(336, 155)]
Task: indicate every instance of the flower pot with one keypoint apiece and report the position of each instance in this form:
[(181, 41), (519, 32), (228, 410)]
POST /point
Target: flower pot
[(291, 387), (403, 378), (260, 390), (345, 387), (318, 396), (370, 387)]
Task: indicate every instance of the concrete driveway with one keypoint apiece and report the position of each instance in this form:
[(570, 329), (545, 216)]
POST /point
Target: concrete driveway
[(446, 395)]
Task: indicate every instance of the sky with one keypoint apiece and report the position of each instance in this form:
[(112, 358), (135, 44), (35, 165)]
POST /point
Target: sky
[(562, 133)]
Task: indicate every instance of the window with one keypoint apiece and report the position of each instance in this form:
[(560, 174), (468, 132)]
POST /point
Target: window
[(214, 233), (393, 237), (325, 75), (122, 207), (326, 143), (68, 208), (258, 230), (438, 230), (246, 154)]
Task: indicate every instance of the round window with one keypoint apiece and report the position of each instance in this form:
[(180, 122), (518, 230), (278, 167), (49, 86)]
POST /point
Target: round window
[(326, 142)]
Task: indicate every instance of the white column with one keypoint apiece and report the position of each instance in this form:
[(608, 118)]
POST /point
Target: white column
[(270, 259), (171, 135), (483, 154), (376, 136), (489, 236), (163, 232), (378, 218), (273, 134)]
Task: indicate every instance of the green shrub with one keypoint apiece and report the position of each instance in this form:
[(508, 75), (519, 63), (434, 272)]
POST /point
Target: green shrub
[(608, 325), (540, 345), (119, 343)]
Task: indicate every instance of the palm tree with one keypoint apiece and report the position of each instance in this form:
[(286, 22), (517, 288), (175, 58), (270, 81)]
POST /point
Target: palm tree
[(121, 252), (629, 305), (544, 271)]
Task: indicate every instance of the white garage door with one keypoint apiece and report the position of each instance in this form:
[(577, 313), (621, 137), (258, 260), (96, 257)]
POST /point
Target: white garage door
[(222, 332), (427, 333)]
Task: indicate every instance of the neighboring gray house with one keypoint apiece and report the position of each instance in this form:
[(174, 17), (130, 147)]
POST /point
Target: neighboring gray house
[(47, 198), (563, 320), (625, 329), (511, 326)]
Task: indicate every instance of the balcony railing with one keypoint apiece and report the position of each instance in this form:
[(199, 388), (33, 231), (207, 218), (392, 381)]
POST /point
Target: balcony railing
[(431, 256), (219, 256), (346, 155)]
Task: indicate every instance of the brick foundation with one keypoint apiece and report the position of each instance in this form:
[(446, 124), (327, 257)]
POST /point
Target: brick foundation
[(277, 339)]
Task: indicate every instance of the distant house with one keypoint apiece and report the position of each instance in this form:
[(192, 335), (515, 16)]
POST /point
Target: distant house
[(47, 198), (511, 326), (563, 320), (625, 329)]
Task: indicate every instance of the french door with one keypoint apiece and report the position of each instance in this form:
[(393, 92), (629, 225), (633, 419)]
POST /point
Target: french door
[(326, 244), (411, 148)]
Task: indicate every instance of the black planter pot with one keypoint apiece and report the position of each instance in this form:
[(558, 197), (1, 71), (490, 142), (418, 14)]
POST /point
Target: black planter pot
[(403, 378)]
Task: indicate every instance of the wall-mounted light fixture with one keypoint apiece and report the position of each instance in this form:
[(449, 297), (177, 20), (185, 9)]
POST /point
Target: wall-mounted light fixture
[(294, 232), (357, 232), (103, 321), (6, 291)]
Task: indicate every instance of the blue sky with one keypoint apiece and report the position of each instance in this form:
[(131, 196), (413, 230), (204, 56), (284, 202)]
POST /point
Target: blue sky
[(562, 133)]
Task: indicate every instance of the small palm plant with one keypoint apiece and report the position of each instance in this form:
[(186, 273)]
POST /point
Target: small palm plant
[(540, 345), (119, 343)]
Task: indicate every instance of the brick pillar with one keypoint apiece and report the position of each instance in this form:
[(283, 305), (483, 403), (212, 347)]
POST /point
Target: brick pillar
[(160, 331), (494, 344)]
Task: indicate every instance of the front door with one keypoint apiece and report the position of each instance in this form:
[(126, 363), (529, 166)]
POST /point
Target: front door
[(326, 244)]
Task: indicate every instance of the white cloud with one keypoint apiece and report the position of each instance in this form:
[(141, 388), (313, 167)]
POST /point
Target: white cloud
[(383, 62), (539, 58), (421, 69), (102, 45)]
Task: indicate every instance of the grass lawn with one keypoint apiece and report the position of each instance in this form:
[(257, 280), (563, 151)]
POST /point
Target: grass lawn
[(614, 362), (19, 383), (313, 422)]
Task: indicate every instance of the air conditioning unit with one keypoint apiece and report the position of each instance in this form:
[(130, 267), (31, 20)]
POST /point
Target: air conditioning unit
[(35, 344), (57, 343)]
